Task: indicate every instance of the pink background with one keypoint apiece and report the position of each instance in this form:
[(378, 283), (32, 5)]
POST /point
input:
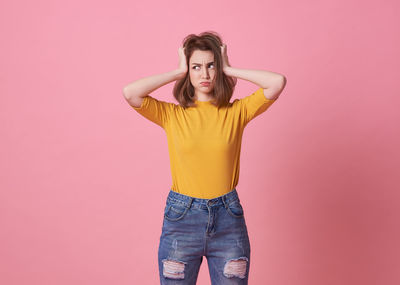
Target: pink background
[(84, 177)]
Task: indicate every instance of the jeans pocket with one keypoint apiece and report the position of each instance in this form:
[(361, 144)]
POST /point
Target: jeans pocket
[(175, 211), (235, 209)]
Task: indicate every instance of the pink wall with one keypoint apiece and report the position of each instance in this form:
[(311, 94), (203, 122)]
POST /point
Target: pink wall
[(84, 177)]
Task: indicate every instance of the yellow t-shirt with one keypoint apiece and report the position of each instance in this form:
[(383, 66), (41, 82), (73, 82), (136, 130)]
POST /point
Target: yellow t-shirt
[(204, 142)]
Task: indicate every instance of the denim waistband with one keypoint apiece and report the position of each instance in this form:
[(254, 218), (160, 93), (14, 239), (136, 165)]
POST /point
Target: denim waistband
[(199, 202)]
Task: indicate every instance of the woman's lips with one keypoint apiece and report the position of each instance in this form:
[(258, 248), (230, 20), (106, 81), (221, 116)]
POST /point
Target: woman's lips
[(205, 83)]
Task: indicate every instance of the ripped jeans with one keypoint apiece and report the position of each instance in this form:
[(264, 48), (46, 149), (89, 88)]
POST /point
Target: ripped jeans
[(214, 228)]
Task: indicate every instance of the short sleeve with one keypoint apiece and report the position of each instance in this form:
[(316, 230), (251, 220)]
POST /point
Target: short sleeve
[(254, 104), (155, 110)]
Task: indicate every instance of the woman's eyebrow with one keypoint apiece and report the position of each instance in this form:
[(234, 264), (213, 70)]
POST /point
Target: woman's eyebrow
[(200, 64)]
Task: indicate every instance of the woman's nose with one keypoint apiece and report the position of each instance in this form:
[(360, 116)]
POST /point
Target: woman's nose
[(205, 73)]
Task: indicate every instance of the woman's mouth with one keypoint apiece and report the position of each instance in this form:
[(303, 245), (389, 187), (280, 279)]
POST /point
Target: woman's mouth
[(205, 83)]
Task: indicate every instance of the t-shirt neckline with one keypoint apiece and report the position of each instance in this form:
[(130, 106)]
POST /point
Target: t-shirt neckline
[(202, 102)]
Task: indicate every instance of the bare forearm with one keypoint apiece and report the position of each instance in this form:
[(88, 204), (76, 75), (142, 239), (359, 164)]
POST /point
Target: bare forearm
[(146, 85), (262, 78)]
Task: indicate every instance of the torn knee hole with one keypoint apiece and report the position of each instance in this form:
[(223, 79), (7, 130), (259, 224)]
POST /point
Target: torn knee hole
[(173, 269), (236, 267)]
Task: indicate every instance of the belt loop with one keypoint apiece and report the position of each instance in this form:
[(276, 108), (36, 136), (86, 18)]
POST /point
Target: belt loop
[(190, 202), (224, 201)]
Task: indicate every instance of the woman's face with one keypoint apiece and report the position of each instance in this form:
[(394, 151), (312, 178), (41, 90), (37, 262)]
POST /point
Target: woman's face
[(202, 69)]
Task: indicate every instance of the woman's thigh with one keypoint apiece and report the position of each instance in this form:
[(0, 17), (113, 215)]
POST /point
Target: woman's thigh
[(228, 248), (181, 246)]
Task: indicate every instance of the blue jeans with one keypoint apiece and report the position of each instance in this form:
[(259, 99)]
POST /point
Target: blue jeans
[(214, 228)]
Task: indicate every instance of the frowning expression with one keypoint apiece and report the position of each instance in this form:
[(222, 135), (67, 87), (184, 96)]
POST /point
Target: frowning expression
[(202, 70)]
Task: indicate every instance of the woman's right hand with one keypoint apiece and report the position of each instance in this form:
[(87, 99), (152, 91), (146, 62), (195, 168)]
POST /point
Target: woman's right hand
[(182, 62)]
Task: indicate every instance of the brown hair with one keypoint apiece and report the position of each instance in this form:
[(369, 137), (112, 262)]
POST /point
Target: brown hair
[(224, 85)]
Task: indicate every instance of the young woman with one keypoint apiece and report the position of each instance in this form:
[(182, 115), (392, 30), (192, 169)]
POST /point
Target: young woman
[(203, 215)]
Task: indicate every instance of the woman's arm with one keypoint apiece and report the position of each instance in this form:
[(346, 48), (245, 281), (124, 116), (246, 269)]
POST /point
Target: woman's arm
[(146, 85), (135, 91), (272, 83)]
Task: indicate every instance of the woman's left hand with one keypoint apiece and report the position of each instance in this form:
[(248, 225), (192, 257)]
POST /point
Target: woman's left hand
[(225, 61)]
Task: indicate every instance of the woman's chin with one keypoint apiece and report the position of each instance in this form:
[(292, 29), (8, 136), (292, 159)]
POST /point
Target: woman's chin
[(205, 89)]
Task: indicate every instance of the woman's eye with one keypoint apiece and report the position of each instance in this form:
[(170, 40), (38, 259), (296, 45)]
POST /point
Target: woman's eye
[(211, 65)]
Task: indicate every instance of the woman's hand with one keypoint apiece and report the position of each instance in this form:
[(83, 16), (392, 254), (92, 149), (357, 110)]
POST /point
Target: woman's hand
[(225, 61), (182, 68)]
